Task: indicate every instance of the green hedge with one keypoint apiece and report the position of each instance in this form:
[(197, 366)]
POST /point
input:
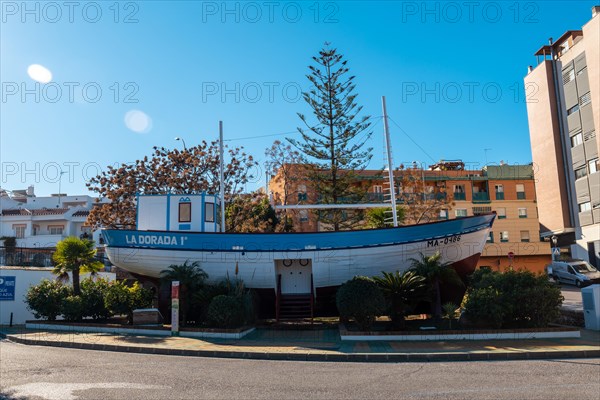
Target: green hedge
[(513, 299), (362, 300), (45, 300), (226, 312), (99, 299)]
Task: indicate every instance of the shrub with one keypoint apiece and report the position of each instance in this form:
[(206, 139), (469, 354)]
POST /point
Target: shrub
[(234, 288), (513, 299), (45, 299), (201, 298), (123, 299), (360, 299), (72, 308), (484, 304), (402, 292), (226, 312), (93, 293)]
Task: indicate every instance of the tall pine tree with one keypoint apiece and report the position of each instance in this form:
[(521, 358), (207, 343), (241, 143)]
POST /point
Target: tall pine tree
[(333, 147)]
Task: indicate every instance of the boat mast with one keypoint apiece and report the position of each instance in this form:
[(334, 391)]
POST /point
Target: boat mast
[(221, 177), (388, 146)]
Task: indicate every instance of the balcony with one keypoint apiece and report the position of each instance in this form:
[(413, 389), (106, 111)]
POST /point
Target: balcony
[(40, 241), (520, 195), (374, 197), (499, 195), (481, 197), (460, 196)]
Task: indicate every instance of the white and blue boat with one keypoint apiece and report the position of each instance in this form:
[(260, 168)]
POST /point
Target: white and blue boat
[(173, 229)]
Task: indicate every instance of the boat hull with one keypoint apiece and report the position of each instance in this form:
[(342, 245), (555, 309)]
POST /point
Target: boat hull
[(332, 257)]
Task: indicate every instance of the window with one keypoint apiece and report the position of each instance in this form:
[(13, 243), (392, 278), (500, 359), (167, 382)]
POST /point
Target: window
[(19, 231), (589, 135), (524, 236), (209, 212), (585, 99), (302, 196), (481, 210), (443, 214), (576, 140), (185, 212), (520, 191), (303, 216), (580, 172), (499, 192), (568, 76), (573, 109), (587, 206), (461, 212), (377, 189), (504, 236), (490, 238), (56, 229), (594, 165), (522, 213), (501, 212), (459, 192)]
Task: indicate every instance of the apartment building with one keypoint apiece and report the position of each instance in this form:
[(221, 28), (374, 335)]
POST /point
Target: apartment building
[(564, 117), (42, 221), (507, 190)]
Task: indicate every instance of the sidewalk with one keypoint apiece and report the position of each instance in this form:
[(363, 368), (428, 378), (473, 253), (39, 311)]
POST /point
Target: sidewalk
[(316, 345)]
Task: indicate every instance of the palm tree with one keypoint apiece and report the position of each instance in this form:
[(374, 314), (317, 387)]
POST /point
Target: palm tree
[(435, 273), (76, 256), (190, 277), (402, 293)]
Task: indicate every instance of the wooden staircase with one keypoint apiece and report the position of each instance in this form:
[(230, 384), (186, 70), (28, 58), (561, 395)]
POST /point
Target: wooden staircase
[(295, 306)]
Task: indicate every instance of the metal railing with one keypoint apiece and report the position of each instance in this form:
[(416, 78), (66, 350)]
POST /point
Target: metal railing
[(278, 298), (34, 257)]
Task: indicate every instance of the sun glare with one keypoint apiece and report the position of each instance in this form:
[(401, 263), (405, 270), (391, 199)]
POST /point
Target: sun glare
[(138, 121), (39, 73)]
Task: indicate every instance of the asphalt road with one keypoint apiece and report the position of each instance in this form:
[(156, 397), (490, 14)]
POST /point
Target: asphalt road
[(30, 372)]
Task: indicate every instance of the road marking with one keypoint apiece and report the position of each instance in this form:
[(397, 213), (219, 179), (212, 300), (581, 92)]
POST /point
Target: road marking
[(64, 391)]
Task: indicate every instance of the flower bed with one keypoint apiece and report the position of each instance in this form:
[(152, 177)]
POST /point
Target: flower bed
[(462, 334), (119, 329)]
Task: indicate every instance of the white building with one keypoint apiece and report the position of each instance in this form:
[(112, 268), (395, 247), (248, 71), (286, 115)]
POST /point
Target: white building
[(41, 222), (14, 284)]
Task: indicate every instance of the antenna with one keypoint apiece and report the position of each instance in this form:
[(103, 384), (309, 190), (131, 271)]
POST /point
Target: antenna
[(485, 152)]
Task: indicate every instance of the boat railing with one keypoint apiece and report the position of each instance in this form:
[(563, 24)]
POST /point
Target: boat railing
[(278, 298), (312, 299)]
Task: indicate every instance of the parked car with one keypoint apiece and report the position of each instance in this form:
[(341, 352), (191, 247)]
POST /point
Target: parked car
[(577, 272)]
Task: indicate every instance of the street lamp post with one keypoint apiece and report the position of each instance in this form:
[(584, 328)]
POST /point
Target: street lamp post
[(178, 138), (59, 182)]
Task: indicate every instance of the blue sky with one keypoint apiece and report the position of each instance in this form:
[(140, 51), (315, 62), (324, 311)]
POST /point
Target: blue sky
[(452, 73)]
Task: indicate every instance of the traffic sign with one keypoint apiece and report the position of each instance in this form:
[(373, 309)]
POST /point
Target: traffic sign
[(7, 288)]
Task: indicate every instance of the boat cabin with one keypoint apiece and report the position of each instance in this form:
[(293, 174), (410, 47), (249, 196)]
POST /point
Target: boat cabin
[(178, 213)]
